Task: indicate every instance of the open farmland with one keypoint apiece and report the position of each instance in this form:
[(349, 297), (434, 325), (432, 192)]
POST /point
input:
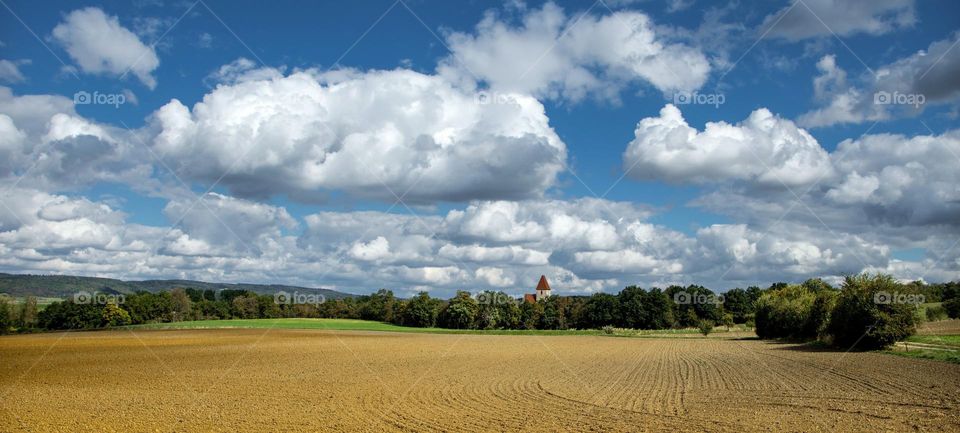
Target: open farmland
[(307, 380)]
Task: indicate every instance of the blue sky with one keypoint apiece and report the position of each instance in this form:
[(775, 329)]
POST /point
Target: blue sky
[(726, 209)]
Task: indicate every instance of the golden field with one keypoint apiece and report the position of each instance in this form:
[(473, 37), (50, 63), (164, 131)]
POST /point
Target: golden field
[(233, 380)]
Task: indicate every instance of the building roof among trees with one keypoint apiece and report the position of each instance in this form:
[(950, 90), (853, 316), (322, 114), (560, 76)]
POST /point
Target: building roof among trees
[(543, 284)]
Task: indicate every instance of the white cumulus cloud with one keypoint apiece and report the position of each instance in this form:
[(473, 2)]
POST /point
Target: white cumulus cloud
[(377, 134), (100, 45), (551, 54), (764, 148)]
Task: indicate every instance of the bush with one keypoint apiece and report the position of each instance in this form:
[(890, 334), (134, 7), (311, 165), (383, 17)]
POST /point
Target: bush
[(788, 312), (860, 320), (114, 316), (952, 307), (705, 327), (608, 330), (934, 313)]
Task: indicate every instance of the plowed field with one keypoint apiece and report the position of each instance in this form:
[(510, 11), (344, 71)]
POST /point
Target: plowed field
[(288, 380)]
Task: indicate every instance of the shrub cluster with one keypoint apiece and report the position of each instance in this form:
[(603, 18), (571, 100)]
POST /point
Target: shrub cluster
[(866, 313)]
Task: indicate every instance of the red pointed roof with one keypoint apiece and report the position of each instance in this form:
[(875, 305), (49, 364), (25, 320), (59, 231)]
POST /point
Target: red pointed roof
[(543, 284)]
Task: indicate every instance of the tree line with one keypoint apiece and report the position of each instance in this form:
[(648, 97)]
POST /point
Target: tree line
[(812, 309)]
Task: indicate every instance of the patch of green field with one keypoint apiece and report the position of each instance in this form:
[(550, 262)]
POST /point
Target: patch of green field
[(42, 301), (938, 355), (941, 340)]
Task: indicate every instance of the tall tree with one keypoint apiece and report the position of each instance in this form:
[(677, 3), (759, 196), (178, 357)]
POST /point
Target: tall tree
[(633, 311), (421, 311), (28, 313), (181, 303), (460, 312), (602, 309)]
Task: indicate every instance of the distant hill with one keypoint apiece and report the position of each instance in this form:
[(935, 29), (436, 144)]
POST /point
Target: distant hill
[(62, 286)]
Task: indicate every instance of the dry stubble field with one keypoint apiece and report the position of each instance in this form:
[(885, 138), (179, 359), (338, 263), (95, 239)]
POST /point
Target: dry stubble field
[(290, 380)]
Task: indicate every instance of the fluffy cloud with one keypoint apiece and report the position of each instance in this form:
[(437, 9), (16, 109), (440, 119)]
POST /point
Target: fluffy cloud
[(902, 88), (899, 180), (870, 196), (62, 149), (378, 134), (231, 224), (10, 70), (100, 45), (764, 149), (550, 54), (889, 192), (56, 233), (820, 18)]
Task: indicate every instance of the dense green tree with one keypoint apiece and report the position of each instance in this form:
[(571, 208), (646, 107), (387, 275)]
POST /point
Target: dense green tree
[(786, 313), (421, 311), (738, 303), (867, 314), (146, 307), (69, 315), (113, 315), (530, 313), (267, 307), (953, 308), (692, 303), (497, 311), (659, 311), (555, 313), (632, 301), (460, 312), (245, 306), (378, 306), (181, 305), (28, 313), (196, 295), (820, 311), (576, 310), (6, 318), (207, 309), (601, 309)]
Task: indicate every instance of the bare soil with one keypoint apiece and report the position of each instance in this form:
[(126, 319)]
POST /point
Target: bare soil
[(305, 380)]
